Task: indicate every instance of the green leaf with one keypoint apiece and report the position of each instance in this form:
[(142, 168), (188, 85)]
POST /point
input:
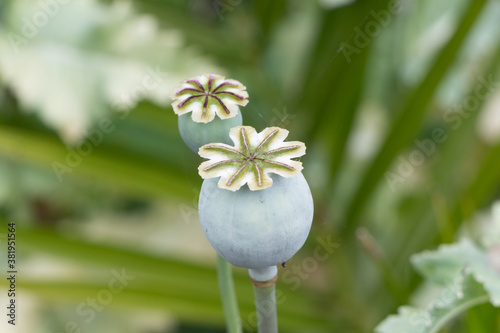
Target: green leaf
[(457, 297), (132, 173), (449, 184), (448, 261), (410, 116), (468, 276)]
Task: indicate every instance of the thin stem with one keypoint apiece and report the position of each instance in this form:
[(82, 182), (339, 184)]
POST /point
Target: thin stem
[(228, 296), (265, 303), (373, 249)]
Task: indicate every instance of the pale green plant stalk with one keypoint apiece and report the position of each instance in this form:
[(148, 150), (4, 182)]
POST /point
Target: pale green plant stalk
[(264, 281), (265, 303), (228, 296)]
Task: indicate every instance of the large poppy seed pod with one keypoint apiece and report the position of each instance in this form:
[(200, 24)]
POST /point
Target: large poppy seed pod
[(257, 229), (265, 223), (213, 103)]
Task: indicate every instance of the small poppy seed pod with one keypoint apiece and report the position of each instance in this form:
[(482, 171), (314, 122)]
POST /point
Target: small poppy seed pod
[(265, 223), (207, 106)]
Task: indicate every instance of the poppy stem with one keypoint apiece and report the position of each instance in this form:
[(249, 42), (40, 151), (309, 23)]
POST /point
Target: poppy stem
[(264, 287), (228, 296)]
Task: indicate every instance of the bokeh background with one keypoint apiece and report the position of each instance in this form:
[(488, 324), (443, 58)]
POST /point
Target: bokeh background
[(397, 102)]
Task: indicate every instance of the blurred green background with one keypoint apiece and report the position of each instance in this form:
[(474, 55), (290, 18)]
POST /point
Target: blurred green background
[(397, 102)]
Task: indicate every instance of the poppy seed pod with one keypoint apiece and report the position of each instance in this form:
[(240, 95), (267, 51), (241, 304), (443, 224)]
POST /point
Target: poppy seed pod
[(265, 223), (207, 106), (257, 229)]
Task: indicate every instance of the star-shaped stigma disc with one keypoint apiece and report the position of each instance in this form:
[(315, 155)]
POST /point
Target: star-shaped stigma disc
[(208, 95), (252, 158)]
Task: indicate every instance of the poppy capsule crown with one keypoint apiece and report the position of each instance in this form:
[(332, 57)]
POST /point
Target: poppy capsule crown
[(208, 107)]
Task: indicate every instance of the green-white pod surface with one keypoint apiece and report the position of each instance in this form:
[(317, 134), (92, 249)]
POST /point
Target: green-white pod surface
[(197, 134), (257, 229)]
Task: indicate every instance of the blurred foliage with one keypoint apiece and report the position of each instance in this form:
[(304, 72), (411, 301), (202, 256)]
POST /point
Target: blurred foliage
[(398, 104), (468, 276)]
